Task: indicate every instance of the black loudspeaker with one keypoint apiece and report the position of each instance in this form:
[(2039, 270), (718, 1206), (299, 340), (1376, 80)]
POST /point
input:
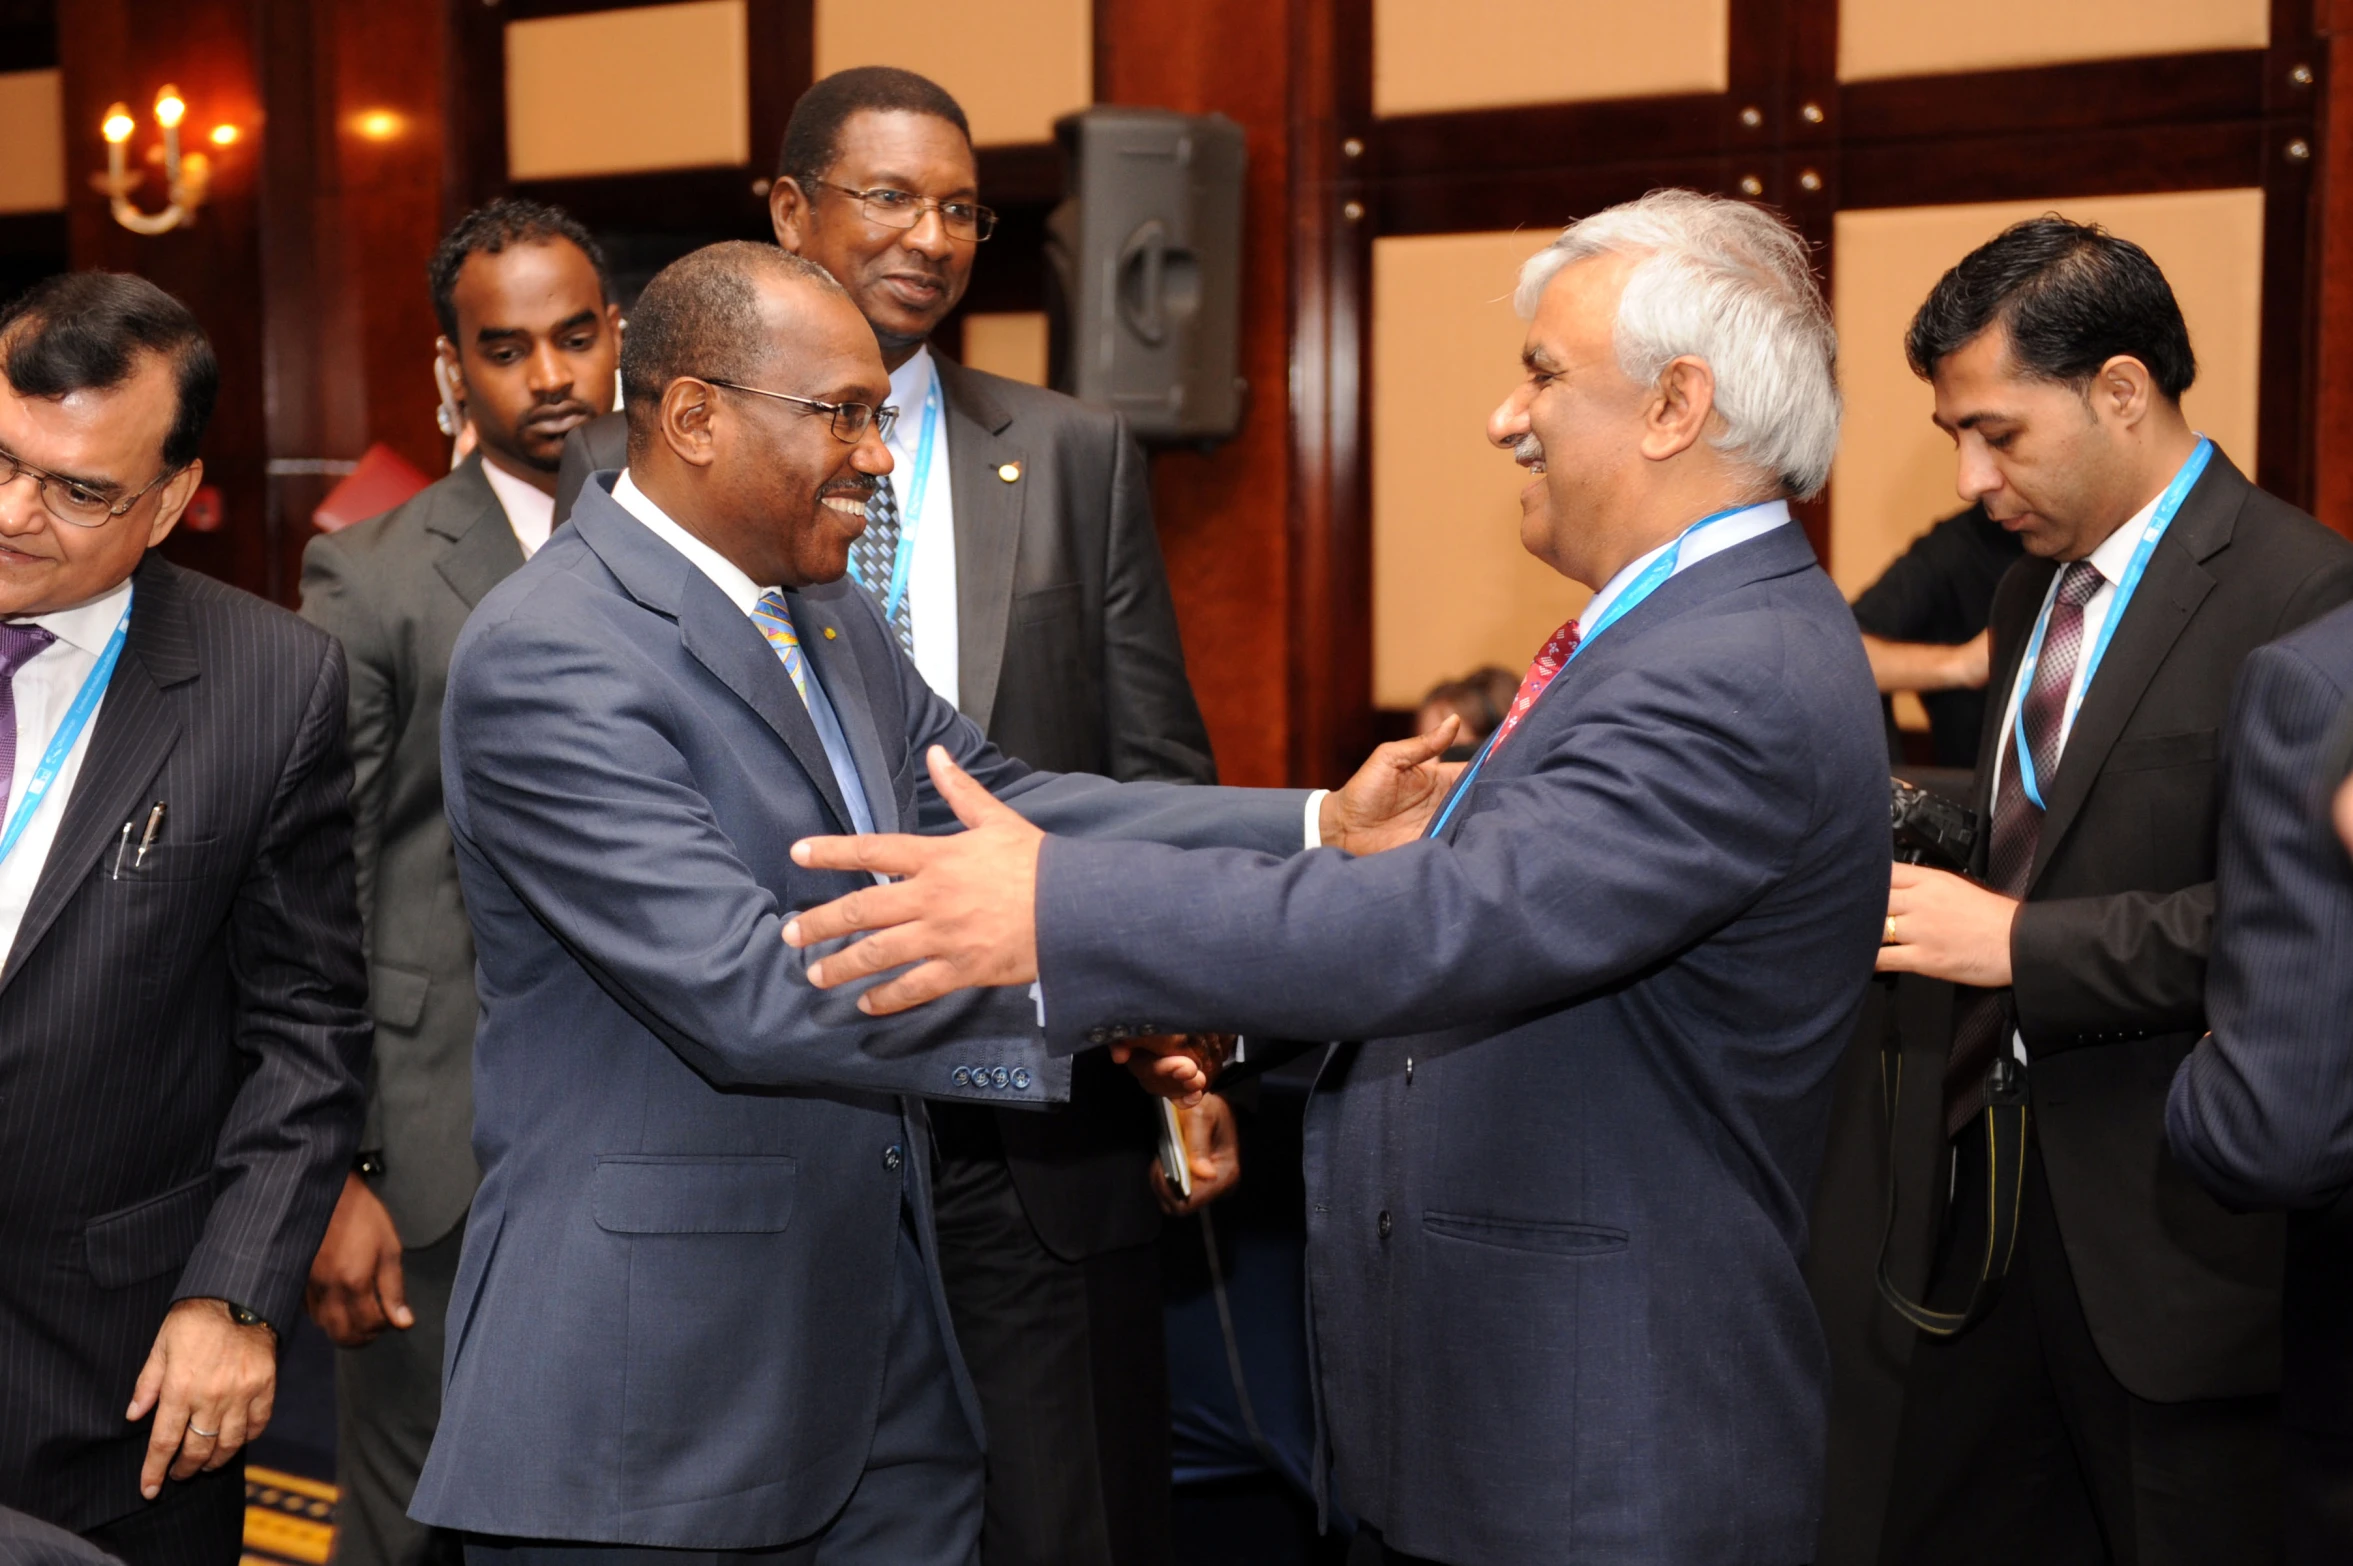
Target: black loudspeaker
[(1144, 270)]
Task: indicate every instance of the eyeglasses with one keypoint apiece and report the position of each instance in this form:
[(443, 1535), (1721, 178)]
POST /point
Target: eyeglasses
[(73, 503), (965, 220), (850, 419)]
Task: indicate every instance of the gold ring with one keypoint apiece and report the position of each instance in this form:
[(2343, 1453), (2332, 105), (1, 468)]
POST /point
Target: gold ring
[(1889, 938)]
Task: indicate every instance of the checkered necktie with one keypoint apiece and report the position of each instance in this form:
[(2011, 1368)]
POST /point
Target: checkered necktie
[(2018, 825), (19, 645), (874, 555), (1550, 660)]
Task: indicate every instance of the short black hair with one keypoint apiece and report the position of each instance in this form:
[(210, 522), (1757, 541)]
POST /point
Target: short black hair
[(813, 136), (700, 315), (489, 229), (84, 331), (2072, 296)]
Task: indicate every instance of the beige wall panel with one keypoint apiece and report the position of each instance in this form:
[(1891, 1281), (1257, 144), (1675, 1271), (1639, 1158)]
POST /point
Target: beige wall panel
[(1932, 37), (1470, 54), (669, 88), (1016, 66), (1452, 588), (1895, 469), (32, 132), (1010, 343)]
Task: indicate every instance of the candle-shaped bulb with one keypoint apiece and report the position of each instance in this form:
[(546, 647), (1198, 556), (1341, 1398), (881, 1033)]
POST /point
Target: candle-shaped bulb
[(118, 124), (169, 108)]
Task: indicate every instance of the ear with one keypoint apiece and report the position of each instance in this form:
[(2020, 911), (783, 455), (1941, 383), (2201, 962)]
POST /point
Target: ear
[(1680, 405), (688, 409), (447, 352), (788, 213), (2122, 391), (173, 499)]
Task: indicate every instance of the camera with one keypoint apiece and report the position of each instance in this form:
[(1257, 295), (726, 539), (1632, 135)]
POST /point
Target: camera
[(1929, 828)]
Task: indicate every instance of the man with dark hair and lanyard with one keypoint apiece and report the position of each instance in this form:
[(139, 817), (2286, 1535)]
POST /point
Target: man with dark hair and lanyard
[(2114, 1396)]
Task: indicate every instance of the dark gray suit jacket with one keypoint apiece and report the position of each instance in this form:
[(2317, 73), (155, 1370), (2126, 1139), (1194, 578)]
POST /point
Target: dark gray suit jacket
[(2262, 1110), (395, 590), (180, 1048), (671, 1314), (1557, 1196), (1069, 660), (2108, 953)]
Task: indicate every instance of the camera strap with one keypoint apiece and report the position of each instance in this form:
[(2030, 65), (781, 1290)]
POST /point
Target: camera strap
[(2003, 1124)]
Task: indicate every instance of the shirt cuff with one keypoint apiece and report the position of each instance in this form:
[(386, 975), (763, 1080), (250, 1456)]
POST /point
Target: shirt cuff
[(1315, 810)]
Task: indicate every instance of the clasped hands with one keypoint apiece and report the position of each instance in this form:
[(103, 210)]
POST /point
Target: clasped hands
[(962, 911)]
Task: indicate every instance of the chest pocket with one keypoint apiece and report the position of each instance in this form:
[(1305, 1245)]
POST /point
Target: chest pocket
[(2170, 780)]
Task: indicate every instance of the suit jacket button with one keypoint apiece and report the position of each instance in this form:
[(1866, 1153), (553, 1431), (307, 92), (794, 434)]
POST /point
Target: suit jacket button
[(1382, 1223), (1002, 1077), (1021, 1078), (1098, 1035), (963, 1076), (891, 1159)]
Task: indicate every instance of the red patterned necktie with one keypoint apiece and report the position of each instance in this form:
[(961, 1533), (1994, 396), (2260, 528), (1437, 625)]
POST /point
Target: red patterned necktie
[(2018, 824), (1553, 657), (19, 645)]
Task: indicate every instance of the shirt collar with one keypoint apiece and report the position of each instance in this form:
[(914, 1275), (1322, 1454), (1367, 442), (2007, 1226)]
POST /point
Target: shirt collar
[(531, 511), (725, 575), (87, 627), (1734, 527), (910, 384), (2114, 556)]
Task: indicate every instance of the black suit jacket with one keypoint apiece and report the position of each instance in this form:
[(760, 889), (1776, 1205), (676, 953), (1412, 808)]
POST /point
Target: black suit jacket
[(1068, 659), (180, 1048), (2262, 1112), (395, 590), (2108, 955)]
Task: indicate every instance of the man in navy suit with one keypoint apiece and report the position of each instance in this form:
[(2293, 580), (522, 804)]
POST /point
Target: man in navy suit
[(1557, 1193), (2262, 1110), (698, 1305)]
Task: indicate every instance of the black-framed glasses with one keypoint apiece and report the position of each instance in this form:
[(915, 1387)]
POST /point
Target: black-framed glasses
[(965, 220), (70, 501), (850, 419)]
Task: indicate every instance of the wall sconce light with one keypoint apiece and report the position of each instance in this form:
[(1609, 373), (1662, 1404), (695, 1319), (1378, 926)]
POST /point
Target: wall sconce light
[(186, 177)]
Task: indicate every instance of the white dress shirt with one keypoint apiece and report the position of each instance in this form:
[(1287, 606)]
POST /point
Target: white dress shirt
[(931, 574), (531, 511), (45, 687)]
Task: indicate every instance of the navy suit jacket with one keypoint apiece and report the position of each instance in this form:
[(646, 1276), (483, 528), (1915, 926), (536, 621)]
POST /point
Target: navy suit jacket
[(1557, 1195), (2262, 1110), (671, 1312)]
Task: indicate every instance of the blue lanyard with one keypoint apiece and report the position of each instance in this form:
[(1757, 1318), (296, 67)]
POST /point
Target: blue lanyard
[(1619, 607), (911, 509), (77, 717), (2159, 520)]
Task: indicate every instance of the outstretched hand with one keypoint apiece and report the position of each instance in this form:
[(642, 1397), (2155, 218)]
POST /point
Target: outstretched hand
[(964, 911), (1394, 794)]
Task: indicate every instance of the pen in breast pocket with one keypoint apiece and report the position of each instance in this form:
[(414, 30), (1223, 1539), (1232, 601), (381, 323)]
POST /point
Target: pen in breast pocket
[(122, 847), (147, 838)]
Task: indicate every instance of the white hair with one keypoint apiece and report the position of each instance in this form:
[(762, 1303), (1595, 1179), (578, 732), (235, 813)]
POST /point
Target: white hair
[(1729, 284)]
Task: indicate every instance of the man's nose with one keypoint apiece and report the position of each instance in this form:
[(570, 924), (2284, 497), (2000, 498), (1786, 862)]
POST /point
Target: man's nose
[(929, 236), (1976, 476), (870, 456), (21, 510), (547, 372), (1509, 421)]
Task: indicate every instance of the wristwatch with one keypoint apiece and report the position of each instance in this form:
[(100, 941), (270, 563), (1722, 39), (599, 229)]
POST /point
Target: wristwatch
[(246, 1318)]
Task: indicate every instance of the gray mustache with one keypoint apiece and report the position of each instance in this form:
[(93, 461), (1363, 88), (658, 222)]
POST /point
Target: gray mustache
[(1527, 448)]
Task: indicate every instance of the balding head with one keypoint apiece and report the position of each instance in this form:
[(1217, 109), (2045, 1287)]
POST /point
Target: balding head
[(726, 353)]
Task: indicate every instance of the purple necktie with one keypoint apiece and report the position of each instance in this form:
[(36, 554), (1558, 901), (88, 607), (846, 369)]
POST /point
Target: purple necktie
[(19, 645), (2018, 824)]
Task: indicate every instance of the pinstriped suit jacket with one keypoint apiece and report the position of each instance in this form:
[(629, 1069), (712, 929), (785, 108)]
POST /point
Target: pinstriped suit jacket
[(180, 1048)]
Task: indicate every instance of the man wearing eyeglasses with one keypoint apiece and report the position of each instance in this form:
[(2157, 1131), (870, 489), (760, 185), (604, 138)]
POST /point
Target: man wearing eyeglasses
[(1012, 547), (181, 1000)]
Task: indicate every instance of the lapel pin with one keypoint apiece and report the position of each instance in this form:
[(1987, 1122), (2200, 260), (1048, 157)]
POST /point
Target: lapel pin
[(829, 633), (1010, 472)]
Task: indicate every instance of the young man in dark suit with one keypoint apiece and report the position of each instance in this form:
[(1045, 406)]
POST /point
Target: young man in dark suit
[(2115, 1396), (531, 341), (1013, 545), (2262, 1111), (181, 1012)]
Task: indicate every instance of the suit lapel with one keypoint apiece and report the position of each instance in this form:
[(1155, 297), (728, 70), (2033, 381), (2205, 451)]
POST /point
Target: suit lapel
[(988, 533), (2169, 594), (135, 731), (837, 670), (482, 550), (713, 631)]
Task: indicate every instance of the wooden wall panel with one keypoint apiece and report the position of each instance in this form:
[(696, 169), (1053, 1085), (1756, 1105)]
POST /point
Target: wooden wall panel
[(1882, 38), (1478, 53), (1015, 66)]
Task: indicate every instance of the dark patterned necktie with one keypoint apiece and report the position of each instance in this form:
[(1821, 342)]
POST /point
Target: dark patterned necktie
[(874, 555), (2018, 824), (19, 645)]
